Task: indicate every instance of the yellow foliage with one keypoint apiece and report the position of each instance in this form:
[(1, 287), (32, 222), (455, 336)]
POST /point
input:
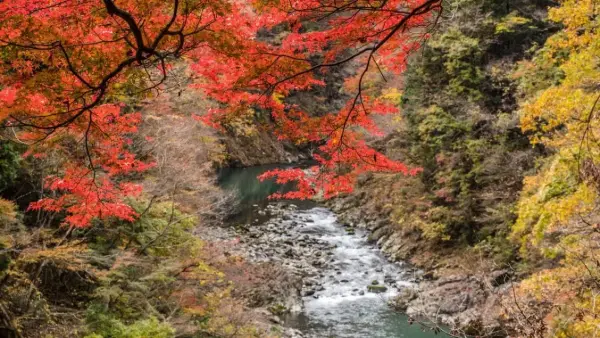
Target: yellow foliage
[(242, 124), (433, 230), (228, 317), (557, 211), (8, 210), (510, 22), (393, 95), (278, 97), (550, 199), (561, 117)]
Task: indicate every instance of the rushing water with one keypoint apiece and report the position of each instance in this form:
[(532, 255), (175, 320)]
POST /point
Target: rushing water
[(341, 306)]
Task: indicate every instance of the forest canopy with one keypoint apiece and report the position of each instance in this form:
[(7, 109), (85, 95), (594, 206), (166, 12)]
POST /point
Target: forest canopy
[(127, 48)]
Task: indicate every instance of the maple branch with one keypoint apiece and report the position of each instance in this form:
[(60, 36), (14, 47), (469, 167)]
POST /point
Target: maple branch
[(86, 144), (380, 72), (143, 52), (112, 9), (356, 98), (423, 8), (166, 28), (70, 65)]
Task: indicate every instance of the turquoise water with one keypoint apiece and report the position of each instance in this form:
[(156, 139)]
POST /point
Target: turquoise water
[(245, 182)]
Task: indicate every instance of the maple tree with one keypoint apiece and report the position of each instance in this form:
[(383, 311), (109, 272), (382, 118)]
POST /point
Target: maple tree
[(67, 64)]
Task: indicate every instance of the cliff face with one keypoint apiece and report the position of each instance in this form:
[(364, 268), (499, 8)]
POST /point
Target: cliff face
[(258, 149)]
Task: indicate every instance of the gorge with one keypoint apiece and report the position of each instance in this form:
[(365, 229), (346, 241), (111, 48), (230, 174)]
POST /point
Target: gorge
[(346, 282)]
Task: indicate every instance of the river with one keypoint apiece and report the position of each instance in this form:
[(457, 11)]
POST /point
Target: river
[(337, 302)]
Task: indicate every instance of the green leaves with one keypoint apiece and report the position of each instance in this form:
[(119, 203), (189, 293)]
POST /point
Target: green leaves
[(10, 163)]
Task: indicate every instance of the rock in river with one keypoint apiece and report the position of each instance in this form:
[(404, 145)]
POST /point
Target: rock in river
[(377, 288)]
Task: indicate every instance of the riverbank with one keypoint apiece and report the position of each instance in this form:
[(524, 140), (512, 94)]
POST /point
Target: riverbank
[(459, 288), (345, 283), (337, 283)]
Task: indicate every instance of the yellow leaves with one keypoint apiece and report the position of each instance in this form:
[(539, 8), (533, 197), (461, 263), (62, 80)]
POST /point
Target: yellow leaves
[(432, 229), (70, 256), (560, 118), (551, 199), (557, 204), (575, 14), (8, 211), (227, 317), (558, 115), (392, 95), (556, 107), (278, 97), (242, 123), (510, 22), (575, 311)]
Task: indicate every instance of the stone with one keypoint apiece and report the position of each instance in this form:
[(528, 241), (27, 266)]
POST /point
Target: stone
[(405, 296), (377, 288), (309, 292), (429, 275), (289, 253)]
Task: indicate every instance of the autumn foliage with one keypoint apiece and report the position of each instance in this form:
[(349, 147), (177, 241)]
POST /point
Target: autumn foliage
[(69, 65)]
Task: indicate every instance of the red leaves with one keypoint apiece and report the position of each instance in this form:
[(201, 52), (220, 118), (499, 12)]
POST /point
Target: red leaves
[(85, 198), (8, 96), (375, 37), (72, 59), (88, 190), (337, 173)]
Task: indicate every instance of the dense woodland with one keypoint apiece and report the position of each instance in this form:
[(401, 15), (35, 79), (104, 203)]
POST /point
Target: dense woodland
[(470, 124)]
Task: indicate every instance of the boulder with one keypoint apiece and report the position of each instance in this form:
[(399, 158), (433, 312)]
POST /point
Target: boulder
[(377, 288)]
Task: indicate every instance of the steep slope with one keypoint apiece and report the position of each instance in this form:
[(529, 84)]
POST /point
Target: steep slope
[(460, 123)]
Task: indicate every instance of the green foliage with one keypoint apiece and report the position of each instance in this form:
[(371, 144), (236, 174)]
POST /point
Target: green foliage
[(511, 23), (108, 326), (161, 230), (159, 278), (10, 163), (438, 129), (278, 309), (461, 122), (461, 57)]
